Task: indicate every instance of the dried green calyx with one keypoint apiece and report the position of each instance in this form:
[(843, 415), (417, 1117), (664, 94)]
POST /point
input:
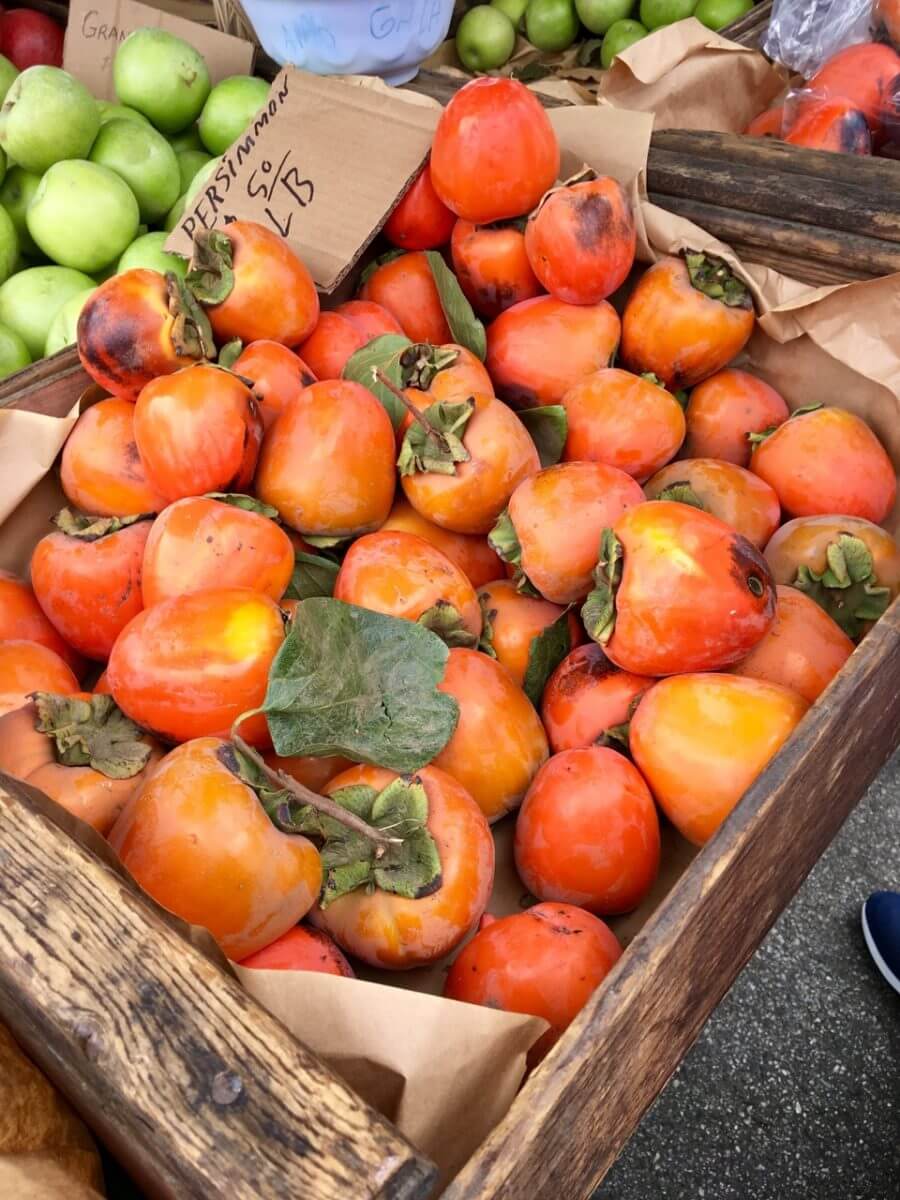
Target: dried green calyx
[(92, 529), (434, 440), (92, 733), (599, 609), (211, 273), (757, 439), (848, 589), (504, 541), (192, 335), (488, 616), (421, 362), (230, 353), (446, 621), (714, 278), (618, 737), (247, 503), (681, 492)]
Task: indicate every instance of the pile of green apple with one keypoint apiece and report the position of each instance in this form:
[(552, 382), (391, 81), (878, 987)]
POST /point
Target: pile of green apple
[(486, 35), (89, 188)]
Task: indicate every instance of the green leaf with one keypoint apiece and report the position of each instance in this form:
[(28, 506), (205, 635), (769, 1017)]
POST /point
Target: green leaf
[(230, 353), (682, 493), (549, 428), (313, 576), (380, 354), (504, 541), (465, 327), (444, 620), (92, 733), (357, 683), (211, 273), (247, 503), (435, 444), (324, 543), (545, 654), (598, 612)]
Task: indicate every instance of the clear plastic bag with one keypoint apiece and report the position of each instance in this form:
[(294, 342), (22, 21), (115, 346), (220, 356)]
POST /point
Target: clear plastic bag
[(803, 34)]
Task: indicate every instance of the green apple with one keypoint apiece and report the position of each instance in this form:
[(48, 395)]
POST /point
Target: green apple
[(8, 74), (189, 163), (485, 38), (551, 25), (188, 139), (174, 215), (47, 116), (514, 9), (716, 14), (119, 112), (599, 15), (149, 251), (83, 215), (16, 194), (63, 327), (231, 106), (619, 37), (656, 13), (162, 77), (13, 352), (146, 162), (30, 300), (9, 245), (3, 165)]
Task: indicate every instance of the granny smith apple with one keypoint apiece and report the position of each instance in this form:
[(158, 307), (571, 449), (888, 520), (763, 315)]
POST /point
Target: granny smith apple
[(30, 300), (8, 74), (149, 251), (162, 77), (485, 38), (119, 112), (206, 171), (13, 352), (619, 37), (62, 331), (174, 215), (189, 163), (47, 116), (83, 215), (16, 194), (145, 160), (188, 139), (9, 245), (514, 9), (231, 106), (598, 15), (716, 14), (551, 25), (656, 13), (3, 166)]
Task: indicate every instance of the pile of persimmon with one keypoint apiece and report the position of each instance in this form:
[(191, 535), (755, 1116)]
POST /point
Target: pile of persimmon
[(643, 572)]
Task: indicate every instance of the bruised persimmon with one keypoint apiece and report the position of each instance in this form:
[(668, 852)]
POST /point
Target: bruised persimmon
[(768, 124), (81, 751), (551, 530), (461, 460), (474, 557), (581, 240), (803, 650), (200, 542), (499, 742), (86, 576), (301, 949), (101, 471), (277, 375), (700, 741), (494, 152), (588, 700), (190, 666), (23, 620), (512, 621), (545, 962), (421, 221), (345, 442), (492, 266), (587, 832), (330, 345), (686, 319), (622, 420), (862, 74), (371, 319), (827, 460), (836, 125), (734, 495), (405, 287), (402, 575), (197, 431), (27, 667), (252, 285), (387, 929), (196, 837), (677, 590), (848, 565), (540, 348), (724, 410), (137, 326)]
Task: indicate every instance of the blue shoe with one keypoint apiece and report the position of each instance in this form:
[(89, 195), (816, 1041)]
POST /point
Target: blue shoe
[(881, 929)]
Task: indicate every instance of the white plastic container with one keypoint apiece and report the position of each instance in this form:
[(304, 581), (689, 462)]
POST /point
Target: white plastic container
[(389, 38)]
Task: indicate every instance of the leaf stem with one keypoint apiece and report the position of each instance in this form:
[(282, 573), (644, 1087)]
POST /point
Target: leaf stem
[(322, 804), (410, 407)]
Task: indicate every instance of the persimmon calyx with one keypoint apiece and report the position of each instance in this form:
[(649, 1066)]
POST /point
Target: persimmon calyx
[(681, 492), (247, 503), (757, 439), (714, 278), (211, 273), (445, 621), (92, 529), (617, 737), (421, 362), (488, 616), (599, 609), (504, 541), (848, 589), (192, 335), (435, 444), (92, 733), (230, 353)]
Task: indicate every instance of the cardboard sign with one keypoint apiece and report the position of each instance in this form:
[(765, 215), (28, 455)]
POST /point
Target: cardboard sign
[(321, 165), (96, 28)]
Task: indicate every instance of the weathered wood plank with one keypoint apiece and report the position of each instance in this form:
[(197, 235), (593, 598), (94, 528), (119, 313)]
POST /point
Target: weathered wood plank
[(195, 1088), (578, 1110)]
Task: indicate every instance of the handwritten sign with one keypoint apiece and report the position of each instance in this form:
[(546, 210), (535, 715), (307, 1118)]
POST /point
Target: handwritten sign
[(321, 165), (97, 28)]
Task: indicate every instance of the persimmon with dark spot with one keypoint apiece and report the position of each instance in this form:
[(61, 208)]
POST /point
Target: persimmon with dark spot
[(836, 125), (277, 375), (492, 266), (100, 470), (588, 701)]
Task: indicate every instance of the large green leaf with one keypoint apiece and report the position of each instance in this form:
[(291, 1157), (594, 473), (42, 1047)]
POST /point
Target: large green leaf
[(549, 427), (465, 327), (381, 354), (545, 654), (357, 683), (314, 575)]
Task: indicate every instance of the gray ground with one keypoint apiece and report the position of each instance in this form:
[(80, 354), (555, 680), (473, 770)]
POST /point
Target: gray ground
[(793, 1090)]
